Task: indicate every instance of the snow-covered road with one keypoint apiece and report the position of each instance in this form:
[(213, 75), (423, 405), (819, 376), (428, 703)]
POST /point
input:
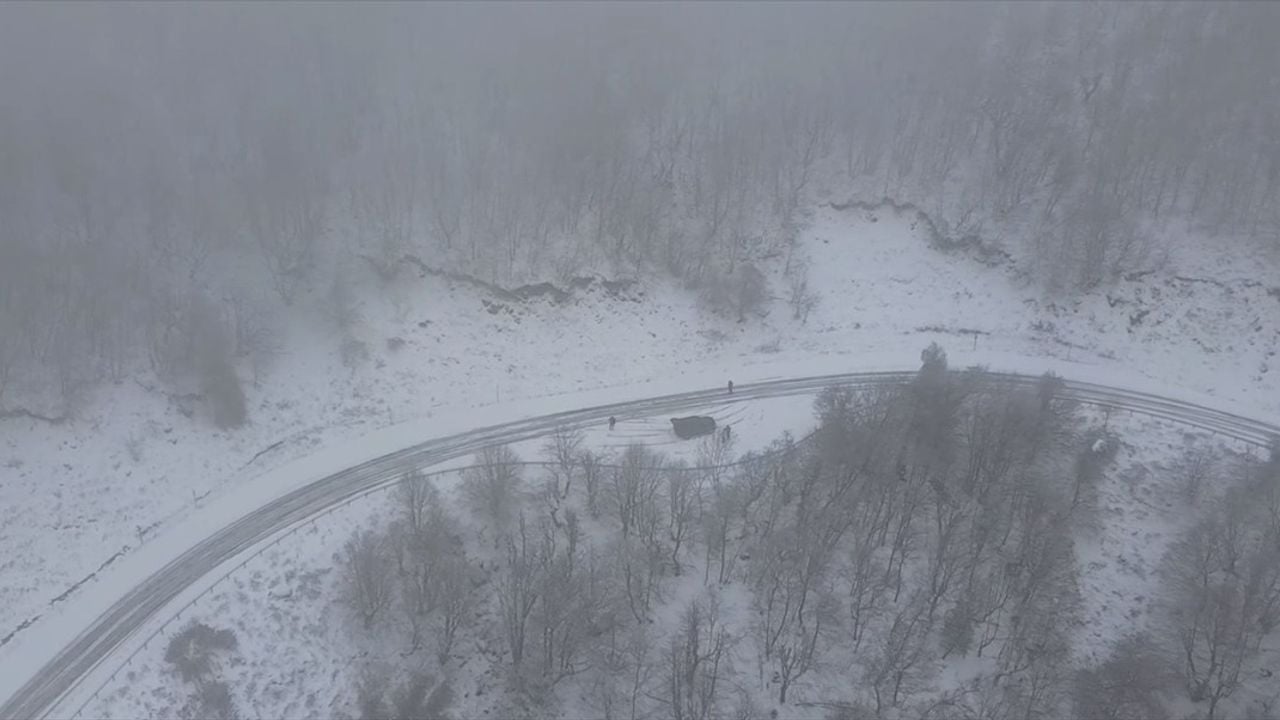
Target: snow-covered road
[(48, 678)]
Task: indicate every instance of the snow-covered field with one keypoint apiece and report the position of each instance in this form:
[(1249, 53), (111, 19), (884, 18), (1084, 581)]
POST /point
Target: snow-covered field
[(77, 498)]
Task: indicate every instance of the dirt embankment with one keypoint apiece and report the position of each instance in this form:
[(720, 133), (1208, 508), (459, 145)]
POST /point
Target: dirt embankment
[(969, 242)]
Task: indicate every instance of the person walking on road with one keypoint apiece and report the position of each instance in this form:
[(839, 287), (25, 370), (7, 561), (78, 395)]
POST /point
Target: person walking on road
[(612, 421), (730, 387)]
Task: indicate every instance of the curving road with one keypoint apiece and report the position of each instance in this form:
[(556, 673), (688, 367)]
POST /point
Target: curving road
[(40, 696)]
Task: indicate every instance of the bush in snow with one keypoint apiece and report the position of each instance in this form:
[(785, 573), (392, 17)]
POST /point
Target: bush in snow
[(197, 345), (192, 650), (223, 393), (419, 696), (1126, 686), (1098, 450), (213, 701), (354, 353), (211, 350), (743, 291), (800, 296)]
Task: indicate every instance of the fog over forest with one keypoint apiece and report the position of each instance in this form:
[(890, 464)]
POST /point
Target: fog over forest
[(558, 360), (156, 157)]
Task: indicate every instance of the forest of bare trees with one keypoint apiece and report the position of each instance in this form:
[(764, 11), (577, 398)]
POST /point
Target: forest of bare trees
[(172, 176), (918, 528)]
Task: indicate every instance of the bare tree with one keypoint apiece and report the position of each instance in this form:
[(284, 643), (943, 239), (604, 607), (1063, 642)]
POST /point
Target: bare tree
[(386, 190), (697, 656), (432, 563), (418, 696), (720, 523), (341, 303), (866, 595), (638, 564), (751, 290), (453, 600), (936, 402), (518, 588), (562, 449), (286, 195), (255, 338), (574, 602), (798, 653), (684, 495), (902, 657), (492, 487), (957, 630), (800, 296), (643, 166), (714, 455), (1042, 577), (1197, 466), (628, 674), (634, 487), (789, 573), (1224, 587), (949, 515), (417, 497), (590, 463), (368, 575)]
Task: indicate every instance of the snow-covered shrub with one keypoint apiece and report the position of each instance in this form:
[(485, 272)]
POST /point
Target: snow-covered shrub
[(354, 353), (800, 296), (197, 345), (213, 701), (1097, 450), (193, 650), (1127, 685), (742, 292)]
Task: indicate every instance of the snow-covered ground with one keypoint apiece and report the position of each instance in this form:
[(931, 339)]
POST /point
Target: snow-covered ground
[(283, 597), (282, 602), (76, 499), (1205, 326)]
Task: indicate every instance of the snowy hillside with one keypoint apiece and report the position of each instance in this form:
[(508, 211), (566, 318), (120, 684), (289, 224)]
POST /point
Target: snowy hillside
[(133, 463)]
